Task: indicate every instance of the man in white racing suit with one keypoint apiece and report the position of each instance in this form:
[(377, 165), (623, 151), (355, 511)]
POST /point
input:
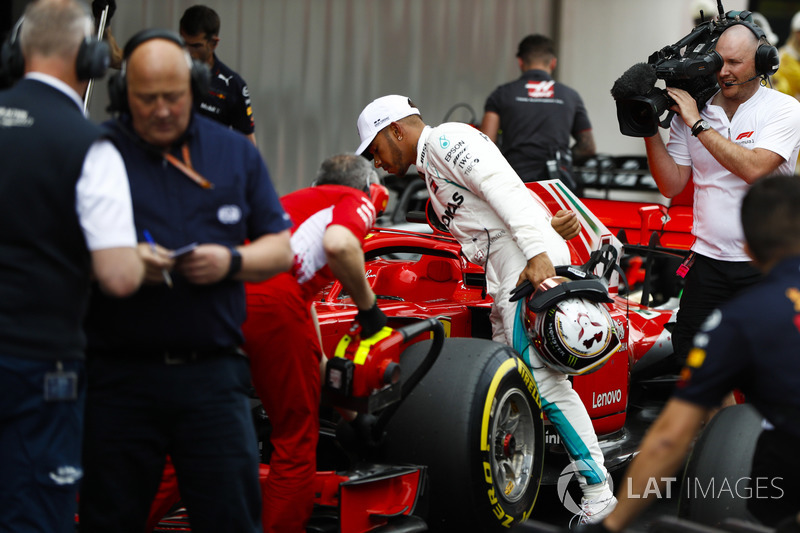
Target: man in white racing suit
[(500, 224)]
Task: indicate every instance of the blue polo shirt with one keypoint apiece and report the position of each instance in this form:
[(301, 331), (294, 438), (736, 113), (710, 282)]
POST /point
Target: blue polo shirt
[(752, 343), (176, 211)]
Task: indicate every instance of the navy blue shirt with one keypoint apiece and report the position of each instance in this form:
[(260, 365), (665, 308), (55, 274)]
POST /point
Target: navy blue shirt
[(537, 117), (752, 343), (45, 265), (176, 211), (228, 99)]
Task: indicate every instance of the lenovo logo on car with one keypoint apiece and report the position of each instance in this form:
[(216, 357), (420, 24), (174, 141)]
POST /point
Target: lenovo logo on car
[(606, 398)]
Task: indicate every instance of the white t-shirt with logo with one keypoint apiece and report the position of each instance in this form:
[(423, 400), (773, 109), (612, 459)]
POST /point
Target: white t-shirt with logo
[(769, 120)]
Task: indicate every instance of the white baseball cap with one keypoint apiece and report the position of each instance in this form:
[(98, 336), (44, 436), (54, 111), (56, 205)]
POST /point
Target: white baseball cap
[(380, 113)]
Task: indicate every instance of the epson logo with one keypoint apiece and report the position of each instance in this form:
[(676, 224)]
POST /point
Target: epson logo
[(452, 151), (606, 398)]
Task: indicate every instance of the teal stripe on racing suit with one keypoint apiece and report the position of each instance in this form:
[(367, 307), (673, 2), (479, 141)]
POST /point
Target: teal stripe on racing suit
[(585, 465)]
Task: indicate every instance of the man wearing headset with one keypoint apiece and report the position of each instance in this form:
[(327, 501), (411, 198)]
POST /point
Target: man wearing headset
[(749, 343), (282, 339), (744, 132), (166, 376), (66, 218)]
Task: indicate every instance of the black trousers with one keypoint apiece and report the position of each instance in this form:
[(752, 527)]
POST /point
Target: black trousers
[(137, 412), (708, 284)]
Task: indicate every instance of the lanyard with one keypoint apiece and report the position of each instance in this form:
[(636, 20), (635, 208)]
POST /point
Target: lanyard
[(185, 166)]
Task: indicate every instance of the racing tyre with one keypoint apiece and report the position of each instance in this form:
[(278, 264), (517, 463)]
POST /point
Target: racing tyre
[(716, 480), (475, 420)]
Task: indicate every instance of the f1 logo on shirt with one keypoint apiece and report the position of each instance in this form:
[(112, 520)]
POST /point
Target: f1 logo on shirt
[(744, 135), (540, 89)]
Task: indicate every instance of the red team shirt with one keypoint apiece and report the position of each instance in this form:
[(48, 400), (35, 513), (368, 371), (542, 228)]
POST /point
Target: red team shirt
[(312, 210), (284, 349)]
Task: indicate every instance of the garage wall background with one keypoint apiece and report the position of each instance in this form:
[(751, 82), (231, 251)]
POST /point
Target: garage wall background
[(311, 65)]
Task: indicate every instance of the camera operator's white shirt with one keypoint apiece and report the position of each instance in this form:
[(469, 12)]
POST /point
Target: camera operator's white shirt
[(768, 119)]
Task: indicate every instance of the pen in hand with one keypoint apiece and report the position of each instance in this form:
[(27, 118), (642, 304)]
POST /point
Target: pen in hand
[(164, 271)]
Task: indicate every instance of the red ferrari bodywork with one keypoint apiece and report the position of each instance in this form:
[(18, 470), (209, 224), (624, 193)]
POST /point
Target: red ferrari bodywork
[(441, 282), (420, 276)]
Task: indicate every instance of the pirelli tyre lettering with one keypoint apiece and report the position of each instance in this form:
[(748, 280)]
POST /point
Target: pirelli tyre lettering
[(475, 419)]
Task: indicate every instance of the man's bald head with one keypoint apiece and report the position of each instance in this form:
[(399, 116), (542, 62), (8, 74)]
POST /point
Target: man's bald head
[(741, 36), (737, 48), (159, 85)]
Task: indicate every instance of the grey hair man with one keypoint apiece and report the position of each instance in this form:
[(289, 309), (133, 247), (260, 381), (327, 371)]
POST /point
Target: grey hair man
[(67, 219)]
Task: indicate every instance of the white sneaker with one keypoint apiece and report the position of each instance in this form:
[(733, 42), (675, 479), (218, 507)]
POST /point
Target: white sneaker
[(596, 509)]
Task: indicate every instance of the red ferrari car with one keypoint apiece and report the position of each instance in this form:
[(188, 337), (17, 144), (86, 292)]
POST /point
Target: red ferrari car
[(458, 441)]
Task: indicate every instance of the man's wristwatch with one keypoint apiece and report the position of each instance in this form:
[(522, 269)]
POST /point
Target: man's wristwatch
[(236, 263), (700, 126)]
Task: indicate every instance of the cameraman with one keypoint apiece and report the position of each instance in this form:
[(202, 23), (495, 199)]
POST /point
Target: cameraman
[(746, 131), (749, 343)]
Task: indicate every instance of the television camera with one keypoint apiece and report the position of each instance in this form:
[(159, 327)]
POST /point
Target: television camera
[(689, 64)]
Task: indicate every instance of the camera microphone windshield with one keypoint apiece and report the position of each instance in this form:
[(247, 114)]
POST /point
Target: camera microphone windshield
[(639, 102), (636, 81), (689, 64)]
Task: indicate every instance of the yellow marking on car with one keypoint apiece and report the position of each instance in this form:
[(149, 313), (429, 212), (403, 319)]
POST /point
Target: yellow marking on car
[(362, 351)]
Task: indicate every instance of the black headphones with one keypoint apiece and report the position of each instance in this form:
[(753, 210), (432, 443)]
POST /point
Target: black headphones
[(91, 62), (767, 56), (118, 84), (93, 59), (12, 64)]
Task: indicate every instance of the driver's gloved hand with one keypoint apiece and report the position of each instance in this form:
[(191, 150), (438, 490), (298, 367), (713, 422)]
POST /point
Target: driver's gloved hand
[(372, 320), (99, 5)]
